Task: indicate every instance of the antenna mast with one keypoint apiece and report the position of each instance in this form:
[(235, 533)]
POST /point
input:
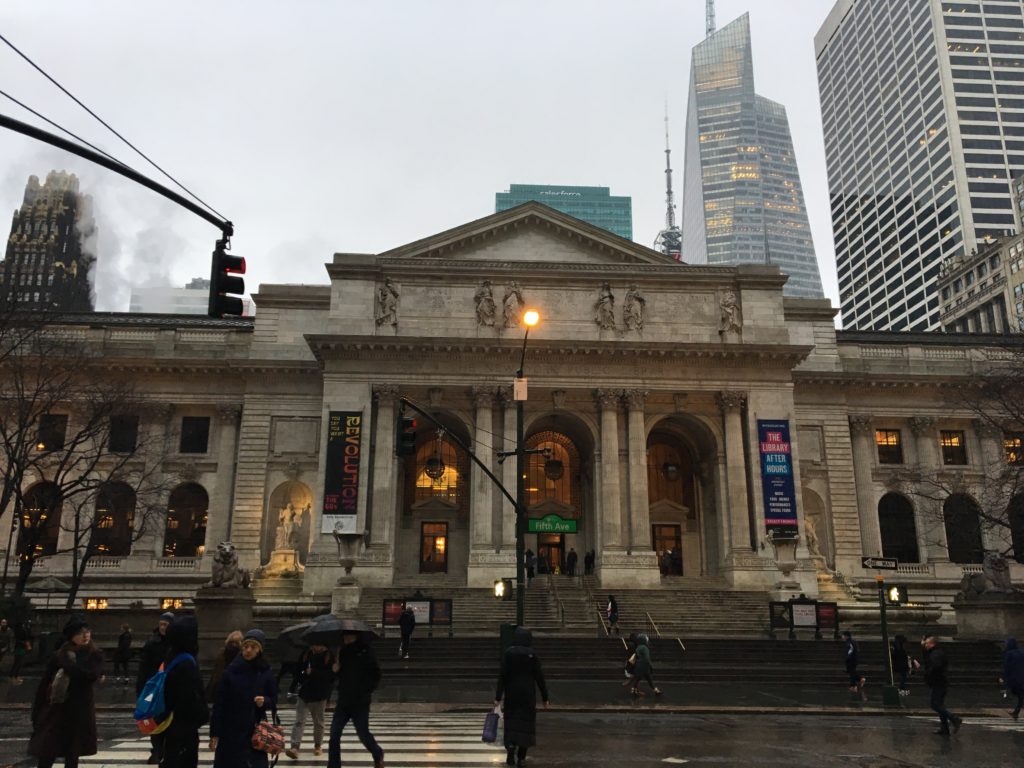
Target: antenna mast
[(670, 240), (710, 17)]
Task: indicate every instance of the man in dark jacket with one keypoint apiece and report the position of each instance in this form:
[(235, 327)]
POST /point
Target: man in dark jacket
[(153, 654), (123, 654), (1013, 674), (317, 675), (358, 677), (406, 624), (183, 696), (6, 639), (570, 562), (936, 677), (520, 676), (857, 680)]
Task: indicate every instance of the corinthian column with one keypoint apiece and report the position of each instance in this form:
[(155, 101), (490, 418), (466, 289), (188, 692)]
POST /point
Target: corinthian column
[(862, 439), (639, 509), (930, 521), (382, 514), (611, 509), (481, 510), (731, 405)]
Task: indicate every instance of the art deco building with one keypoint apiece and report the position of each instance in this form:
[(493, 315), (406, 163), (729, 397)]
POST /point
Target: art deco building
[(742, 198), (45, 266), (983, 292), (923, 110)]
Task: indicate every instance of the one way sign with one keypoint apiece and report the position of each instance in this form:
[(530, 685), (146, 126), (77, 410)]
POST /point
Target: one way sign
[(880, 563)]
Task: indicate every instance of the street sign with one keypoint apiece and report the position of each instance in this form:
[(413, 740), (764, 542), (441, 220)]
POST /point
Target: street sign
[(880, 563), (550, 524)]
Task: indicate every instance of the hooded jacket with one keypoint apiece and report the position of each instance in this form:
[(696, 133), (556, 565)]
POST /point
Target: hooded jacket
[(183, 694), (520, 677)]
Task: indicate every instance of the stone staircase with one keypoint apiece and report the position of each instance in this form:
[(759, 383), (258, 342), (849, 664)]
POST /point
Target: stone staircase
[(833, 589), (281, 603)]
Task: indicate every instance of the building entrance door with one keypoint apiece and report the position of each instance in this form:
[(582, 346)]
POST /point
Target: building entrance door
[(668, 543), (550, 552), (434, 548)]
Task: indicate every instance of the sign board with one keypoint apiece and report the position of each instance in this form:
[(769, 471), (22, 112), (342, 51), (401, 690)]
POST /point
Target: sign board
[(342, 472), (392, 612), (441, 612), (550, 524), (880, 563), (779, 615), (805, 615), (828, 616), (420, 609), (519, 389), (777, 478)]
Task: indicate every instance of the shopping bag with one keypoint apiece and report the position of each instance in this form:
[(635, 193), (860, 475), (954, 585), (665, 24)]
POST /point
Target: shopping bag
[(269, 737), (490, 734)]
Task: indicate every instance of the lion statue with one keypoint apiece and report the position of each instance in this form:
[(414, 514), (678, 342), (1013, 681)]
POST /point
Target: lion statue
[(993, 579), (226, 573)]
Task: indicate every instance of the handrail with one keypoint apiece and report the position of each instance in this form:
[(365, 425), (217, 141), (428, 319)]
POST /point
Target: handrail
[(656, 630), (561, 612), (600, 619), (680, 641)]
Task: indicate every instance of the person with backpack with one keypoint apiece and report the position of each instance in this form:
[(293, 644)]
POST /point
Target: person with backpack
[(184, 699), (407, 625), (358, 677), (245, 694), (64, 709), (1013, 674), (150, 659), (317, 675)]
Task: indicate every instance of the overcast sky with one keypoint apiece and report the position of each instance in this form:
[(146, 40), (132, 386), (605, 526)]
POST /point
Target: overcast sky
[(359, 126)]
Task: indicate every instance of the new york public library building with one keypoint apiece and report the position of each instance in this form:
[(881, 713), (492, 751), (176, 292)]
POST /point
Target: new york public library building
[(666, 403)]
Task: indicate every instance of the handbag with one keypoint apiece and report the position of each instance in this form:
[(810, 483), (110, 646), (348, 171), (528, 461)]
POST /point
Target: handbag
[(490, 734), (59, 687), (269, 736)]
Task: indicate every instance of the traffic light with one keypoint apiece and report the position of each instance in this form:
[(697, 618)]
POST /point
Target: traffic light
[(405, 439), (503, 589), (896, 594), (223, 281)]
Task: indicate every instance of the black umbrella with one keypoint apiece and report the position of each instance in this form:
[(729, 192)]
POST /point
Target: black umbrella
[(291, 637), (328, 630)]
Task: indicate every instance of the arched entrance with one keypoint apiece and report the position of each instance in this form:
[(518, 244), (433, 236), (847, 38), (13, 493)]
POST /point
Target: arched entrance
[(115, 520), (290, 503), (40, 521), (185, 535), (897, 528), (963, 529)]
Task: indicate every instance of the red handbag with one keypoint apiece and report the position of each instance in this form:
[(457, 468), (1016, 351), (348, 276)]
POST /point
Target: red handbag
[(269, 737)]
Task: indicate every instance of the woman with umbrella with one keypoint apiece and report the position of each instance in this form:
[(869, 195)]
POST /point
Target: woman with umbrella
[(520, 676)]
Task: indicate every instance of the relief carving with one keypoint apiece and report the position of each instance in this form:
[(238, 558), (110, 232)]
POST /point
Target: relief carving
[(608, 399), (485, 307), (434, 396), (633, 309), (635, 399), (385, 393), (512, 304), (558, 398), (604, 309), (730, 400), (860, 424), (730, 316), (387, 304)]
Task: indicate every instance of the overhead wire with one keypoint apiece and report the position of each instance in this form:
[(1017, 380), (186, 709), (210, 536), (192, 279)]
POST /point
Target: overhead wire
[(41, 71)]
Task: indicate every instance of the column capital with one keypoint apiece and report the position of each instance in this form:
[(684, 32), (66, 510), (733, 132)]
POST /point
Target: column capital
[(229, 413), (385, 393), (860, 424), (608, 399), (635, 399), (922, 425), (730, 400), (160, 413), (504, 393), (483, 397)]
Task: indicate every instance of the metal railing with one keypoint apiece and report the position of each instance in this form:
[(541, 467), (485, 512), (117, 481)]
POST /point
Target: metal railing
[(650, 621), (600, 619)]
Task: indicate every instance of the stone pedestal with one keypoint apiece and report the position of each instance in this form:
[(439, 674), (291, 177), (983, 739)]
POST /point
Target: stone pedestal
[(220, 611), (282, 562), (345, 597), (990, 616), (619, 570)]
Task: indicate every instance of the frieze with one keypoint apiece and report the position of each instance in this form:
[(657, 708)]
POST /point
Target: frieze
[(375, 556), (487, 557)]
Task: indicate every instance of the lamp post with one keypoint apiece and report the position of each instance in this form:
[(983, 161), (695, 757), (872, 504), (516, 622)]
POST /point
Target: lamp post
[(530, 319)]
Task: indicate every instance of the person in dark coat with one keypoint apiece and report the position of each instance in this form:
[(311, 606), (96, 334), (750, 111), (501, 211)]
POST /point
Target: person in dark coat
[(521, 675), (570, 562), (1013, 674), (588, 562), (900, 662), (642, 669), (245, 694), (936, 676), (407, 624), (67, 729), (232, 646), (150, 659), (612, 612), (123, 654), (184, 697), (6, 640), (531, 565), (852, 661), (358, 677), (317, 676), (23, 639)]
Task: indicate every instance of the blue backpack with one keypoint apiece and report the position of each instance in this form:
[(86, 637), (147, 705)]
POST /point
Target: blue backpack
[(150, 707)]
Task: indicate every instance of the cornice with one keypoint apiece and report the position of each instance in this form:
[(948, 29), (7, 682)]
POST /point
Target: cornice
[(238, 367), (293, 297), (874, 379)]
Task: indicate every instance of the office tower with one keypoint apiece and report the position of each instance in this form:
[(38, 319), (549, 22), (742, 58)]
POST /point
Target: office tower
[(983, 292), (45, 266), (742, 199), (594, 205), (923, 112)]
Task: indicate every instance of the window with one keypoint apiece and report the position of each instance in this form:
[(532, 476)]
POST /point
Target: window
[(897, 528), (440, 471), (115, 518), (890, 449), (185, 535), (1013, 444), (195, 434), (40, 522), (555, 473), (963, 529), (954, 450), (434, 548), (52, 431), (124, 433)]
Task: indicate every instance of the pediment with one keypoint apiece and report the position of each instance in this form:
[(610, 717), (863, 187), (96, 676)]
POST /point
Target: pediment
[(435, 506), (552, 507), (532, 232)]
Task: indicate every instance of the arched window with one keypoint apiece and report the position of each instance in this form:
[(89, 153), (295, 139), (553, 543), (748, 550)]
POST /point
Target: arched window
[(963, 529), (555, 474), (115, 518), (896, 525), (1015, 515), (185, 535), (440, 471), (40, 521)]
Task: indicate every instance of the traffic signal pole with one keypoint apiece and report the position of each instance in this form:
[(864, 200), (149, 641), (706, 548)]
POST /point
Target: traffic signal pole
[(889, 693)]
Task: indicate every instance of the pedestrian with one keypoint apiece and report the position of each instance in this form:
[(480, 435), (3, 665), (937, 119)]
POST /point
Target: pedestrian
[(936, 676), (314, 691), (152, 656), (246, 692), (570, 562), (1013, 674), (612, 612), (123, 654), (232, 646), (290, 665), (901, 664), (6, 640), (521, 675), (358, 677), (856, 679), (642, 669), (184, 697), (23, 639), (64, 709), (531, 565), (406, 625), (588, 564), (665, 562)]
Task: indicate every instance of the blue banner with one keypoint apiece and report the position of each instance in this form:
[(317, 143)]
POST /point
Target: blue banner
[(777, 478)]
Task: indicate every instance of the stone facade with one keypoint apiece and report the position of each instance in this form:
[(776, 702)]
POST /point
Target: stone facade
[(645, 432)]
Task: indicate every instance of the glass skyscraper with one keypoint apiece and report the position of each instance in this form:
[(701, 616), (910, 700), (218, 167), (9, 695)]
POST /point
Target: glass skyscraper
[(742, 199), (923, 112), (594, 205)]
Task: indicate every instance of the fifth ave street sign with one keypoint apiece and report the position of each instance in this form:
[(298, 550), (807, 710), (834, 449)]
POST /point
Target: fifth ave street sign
[(880, 563)]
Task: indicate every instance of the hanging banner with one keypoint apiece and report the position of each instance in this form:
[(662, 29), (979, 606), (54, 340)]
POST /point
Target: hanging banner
[(777, 478), (342, 473)]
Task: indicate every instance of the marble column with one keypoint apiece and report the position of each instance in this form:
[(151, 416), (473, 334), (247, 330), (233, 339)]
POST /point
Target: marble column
[(862, 437), (382, 513), (218, 525), (155, 433), (481, 510), (508, 471), (993, 464), (611, 512), (731, 405), (639, 503), (930, 520)]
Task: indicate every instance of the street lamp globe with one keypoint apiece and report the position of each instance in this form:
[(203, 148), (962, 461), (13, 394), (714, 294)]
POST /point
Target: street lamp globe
[(530, 318)]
